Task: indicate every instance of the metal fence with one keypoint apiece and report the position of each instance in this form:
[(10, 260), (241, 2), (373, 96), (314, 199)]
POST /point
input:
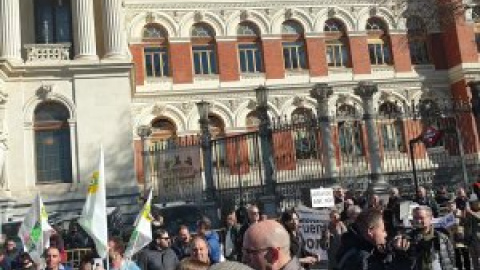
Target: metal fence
[(436, 138)]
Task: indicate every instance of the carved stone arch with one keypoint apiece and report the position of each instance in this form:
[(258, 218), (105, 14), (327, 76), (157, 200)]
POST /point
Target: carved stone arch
[(216, 108), (400, 101), (348, 99), (136, 25), (150, 113), (33, 102), (194, 17), (246, 107), (254, 17), (289, 106), (293, 14), (382, 13), (427, 93), (339, 13)]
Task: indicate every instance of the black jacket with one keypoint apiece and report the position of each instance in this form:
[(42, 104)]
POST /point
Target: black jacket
[(357, 253), (153, 258)]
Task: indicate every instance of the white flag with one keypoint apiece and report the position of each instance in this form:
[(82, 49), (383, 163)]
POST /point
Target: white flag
[(35, 231), (142, 235), (94, 214)]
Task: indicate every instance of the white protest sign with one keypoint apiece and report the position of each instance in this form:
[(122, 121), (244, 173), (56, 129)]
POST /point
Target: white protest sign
[(322, 197), (312, 223)]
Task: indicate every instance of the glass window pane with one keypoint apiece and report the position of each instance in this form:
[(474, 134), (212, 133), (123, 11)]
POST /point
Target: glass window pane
[(294, 56), (303, 58), (156, 62), (286, 58), (258, 60), (251, 67), (205, 63), (371, 51), (344, 55), (243, 60), (166, 67), (148, 65), (213, 62), (197, 63)]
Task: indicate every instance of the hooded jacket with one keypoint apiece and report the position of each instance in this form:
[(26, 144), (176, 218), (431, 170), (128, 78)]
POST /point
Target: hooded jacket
[(154, 258)]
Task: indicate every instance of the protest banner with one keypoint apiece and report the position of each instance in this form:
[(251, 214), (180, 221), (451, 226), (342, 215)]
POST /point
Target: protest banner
[(312, 224), (322, 197)]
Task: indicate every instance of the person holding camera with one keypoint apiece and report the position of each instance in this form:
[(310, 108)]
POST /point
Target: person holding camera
[(429, 248)]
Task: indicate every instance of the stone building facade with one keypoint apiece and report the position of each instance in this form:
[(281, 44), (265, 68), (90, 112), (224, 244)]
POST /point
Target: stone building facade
[(219, 51), (65, 90)]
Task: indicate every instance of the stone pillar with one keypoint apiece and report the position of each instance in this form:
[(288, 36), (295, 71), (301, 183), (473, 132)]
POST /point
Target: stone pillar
[(322, 92), (113, 26), (84, 29), (10, 41), (366, 90)]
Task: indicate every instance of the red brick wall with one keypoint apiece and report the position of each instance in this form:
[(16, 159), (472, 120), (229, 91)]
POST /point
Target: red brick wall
[(181, 62), (467, 122), (273, 59), (228, 61), (317, 59), (459, 39), (360, 55), (401, 53), (137, 55), (437, 50)]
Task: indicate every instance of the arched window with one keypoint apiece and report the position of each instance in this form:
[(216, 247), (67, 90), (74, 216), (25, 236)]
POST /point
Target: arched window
[(476, 21), (53, 21), (304, 137), (294, 53), (391, 128), (417, 40), (156, 51), (203, 49), (378, 42), (349, 132), (52, 143), (249, 48), (336, 41), (163, 128)]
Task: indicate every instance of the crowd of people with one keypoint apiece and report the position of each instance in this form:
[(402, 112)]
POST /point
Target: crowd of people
[(362, 233)]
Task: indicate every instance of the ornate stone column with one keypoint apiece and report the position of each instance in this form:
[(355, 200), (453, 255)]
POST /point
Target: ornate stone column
[(113, 27), (366, 90), (322, 92), (84, 29), (10, 42)]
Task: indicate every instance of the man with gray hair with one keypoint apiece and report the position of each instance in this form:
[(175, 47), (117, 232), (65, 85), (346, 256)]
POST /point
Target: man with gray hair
[(429, 249), (267, 246)]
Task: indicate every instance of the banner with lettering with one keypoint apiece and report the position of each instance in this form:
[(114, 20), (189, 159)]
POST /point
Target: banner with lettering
[(312, 223)]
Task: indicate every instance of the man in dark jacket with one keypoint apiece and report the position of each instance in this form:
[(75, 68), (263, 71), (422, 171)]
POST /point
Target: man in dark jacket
[(432, 250), (363, 246), (424, 199), (159, 255), (391, 214), (182, 245)]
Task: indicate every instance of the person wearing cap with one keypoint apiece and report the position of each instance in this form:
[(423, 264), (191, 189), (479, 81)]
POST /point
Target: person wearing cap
[(204, 229), (158, 255)]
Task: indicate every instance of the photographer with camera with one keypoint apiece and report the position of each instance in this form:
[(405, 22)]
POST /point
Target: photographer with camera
[(429, 248)]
